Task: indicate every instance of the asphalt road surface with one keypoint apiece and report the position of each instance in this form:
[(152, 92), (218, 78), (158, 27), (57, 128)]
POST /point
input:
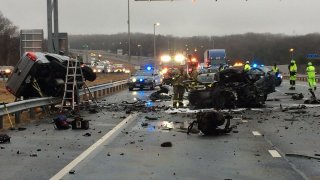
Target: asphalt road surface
[(267, 143)]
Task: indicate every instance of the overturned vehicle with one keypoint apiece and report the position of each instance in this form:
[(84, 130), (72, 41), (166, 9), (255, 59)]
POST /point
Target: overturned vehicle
[(233, 88), (43, 74)]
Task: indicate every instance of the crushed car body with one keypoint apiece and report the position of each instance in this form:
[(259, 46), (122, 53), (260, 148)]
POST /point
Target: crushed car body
[(234, 88), (42, 74)]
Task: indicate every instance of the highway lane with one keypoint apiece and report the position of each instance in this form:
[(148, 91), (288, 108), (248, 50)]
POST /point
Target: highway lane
[(250, 152), (247, 153), (40, 151)]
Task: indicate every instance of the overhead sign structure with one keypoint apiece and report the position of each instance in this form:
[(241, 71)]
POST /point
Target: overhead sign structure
[(31, 40), (313, 56)]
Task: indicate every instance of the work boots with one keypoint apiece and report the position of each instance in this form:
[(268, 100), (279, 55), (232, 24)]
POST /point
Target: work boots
[(292, 88)]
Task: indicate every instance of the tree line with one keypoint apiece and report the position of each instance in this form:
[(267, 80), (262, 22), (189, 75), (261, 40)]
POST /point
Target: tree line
[(262, 48)]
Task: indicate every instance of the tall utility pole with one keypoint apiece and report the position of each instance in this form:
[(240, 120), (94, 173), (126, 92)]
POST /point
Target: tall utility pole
[(154, 42), (56, 26), (53, 41), (129, 35), (49, 15)]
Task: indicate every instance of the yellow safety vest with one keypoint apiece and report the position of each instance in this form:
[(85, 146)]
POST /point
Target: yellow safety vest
[(246, 68), (275, 69), (311, 71), (293, 68)]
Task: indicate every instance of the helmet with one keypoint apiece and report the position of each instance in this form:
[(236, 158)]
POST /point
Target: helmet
[(247, 62), (309, 64), (292, 61)]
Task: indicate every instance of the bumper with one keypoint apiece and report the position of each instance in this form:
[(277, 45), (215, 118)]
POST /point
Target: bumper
[(139, 84)]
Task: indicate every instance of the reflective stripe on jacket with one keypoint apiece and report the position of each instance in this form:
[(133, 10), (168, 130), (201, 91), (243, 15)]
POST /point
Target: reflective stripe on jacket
[(311, 72)]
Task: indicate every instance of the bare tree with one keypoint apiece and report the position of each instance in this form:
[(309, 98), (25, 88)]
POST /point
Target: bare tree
[(8, 40)]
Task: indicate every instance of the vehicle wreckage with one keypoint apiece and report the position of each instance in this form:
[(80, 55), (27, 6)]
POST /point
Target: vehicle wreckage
[(233, 88), (43, 74)]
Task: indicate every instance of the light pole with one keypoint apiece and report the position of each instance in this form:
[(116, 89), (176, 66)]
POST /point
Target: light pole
[(154, 41), (139, 47), (129, 35), (291, 50)]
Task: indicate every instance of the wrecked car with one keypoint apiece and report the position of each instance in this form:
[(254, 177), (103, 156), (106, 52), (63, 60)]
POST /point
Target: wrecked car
[(234, 88), (42, 74)]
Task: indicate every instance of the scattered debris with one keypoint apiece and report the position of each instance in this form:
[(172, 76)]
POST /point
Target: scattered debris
[(33, 155), (166, 144), (144, 124), (151, 118), (87, 134), (208, 123), (297, 96), (161, 94), (4, 138), (72, 172), (61, 122), (80, 123), (121, 154), (21, 128), (93, 109)]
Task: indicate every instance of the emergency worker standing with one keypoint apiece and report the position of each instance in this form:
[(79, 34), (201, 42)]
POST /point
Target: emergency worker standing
[(178, 87), (311, 72), (293, 74), (194, 74), (247, 67), (275, 68)]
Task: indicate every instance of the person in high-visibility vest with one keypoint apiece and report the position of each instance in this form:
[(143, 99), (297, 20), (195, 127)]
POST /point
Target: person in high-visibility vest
[(247, 67), (293, 74), (275, 68), (311, 72)]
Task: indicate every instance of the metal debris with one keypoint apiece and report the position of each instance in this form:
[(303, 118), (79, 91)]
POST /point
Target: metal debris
[(166, 144), (4, 138), (209, 122)]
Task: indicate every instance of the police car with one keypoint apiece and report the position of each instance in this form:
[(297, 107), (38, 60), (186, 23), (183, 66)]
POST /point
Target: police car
[(146, 78)]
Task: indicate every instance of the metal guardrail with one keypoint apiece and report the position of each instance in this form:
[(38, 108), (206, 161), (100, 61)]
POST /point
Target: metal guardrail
[(18, 107), (301, 77)]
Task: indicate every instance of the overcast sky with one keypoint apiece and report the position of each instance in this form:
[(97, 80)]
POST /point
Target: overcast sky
[(180, 18)]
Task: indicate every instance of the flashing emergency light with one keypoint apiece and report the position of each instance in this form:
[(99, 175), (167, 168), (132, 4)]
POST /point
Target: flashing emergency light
[(179, 58), (165, 58), (164, 70), (255, 65), (140, 79), (149, 68), (262, 65), (193, 60)]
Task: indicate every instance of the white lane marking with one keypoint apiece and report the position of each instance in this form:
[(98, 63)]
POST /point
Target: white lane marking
[(244, 121), (256, 133), (274, 153), (94, 146)]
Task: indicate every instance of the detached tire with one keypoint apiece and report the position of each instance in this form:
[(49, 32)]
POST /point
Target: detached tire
[(88, 73)]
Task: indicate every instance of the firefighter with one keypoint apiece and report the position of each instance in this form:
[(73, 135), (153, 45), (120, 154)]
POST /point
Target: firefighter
[(293, 74), (275, 68), (311, 72), (194, 74), (178, 87), (247, 67)]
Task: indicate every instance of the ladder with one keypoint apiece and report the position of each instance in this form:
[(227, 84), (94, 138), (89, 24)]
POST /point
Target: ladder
[(74, 78)]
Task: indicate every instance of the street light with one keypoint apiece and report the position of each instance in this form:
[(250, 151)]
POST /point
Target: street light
[(291, 50), (154, 40)]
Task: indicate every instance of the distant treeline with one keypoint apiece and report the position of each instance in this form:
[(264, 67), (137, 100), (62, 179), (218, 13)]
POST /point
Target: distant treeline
[(262, 48)]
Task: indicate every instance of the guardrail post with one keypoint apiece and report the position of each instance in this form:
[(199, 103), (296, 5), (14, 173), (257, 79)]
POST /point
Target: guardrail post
[(17, 117), (1, 122), (32, 113)]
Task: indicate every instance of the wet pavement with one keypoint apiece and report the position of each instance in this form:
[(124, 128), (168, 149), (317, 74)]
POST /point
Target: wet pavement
[(250, 151)]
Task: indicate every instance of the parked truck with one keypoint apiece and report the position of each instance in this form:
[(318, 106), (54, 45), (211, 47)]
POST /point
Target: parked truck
[(215, 57)]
